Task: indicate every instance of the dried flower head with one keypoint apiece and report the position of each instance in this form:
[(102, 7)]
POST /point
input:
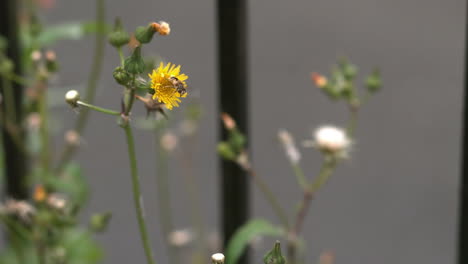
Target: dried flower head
[(72, 138), (319, 80), (152, 105), (180, 238), (40, 194), (169, 141), (162, 28), (22, 209), (292, 152), (332, 139), (56, 201), (228, 121), (168, 84)]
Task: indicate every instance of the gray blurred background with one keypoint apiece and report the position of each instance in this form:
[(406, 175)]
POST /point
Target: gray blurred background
[(395, 201)]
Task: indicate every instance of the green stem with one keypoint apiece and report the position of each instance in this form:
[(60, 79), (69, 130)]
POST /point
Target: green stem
[(17, 79), (300, 177), (43, 130), (121, 56), (137, 198), (99, 109), (164, 198), (350, 129), (261, 184), (327, 168), (94, 75), (9, 100)]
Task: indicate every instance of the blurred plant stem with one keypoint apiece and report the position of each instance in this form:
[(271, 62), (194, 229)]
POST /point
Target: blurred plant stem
[(95, 73), (99, 109), (270, 197), (9, 99), (326, 171), (44, 130), (137, 197), (193, 190), (163, 193), (353, 117)]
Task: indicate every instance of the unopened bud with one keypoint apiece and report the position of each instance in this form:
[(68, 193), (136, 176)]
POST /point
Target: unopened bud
[(72, 97), (145, 34), (51, 61), (162, 28), (374, 82), (121, 76), (72, 138), (118, 37), (319, 80), (228, 121), (225, 151), (217, 258), (99, 222), (169, 141), (135, 64), (40, 193)]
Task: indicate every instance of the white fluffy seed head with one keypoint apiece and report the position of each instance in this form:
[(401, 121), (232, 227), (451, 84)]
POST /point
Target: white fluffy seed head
[(72, 97), (331, 139), (290, 148), (217, 258)]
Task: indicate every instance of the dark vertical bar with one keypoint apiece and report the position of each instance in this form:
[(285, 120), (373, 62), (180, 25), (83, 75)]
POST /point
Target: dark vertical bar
[(15, 159), (232, 65)]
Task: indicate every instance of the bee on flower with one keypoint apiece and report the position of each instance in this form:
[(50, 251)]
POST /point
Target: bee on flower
[(169, 84)]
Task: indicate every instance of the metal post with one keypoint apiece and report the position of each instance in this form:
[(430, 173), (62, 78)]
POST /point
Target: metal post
[(15, 160), (232, 65)]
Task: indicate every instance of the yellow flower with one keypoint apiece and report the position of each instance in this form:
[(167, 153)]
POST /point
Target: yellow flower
[(164, 89)]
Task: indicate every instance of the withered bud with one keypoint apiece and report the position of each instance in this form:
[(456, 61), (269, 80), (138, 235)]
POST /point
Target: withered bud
[(243, 161), (162, 28), (180, 238), (56, 201), (22, 209), (50, 55), (229, 123), (169, 141), (319, 80), (152, 105), (72, 138), (40, 193)]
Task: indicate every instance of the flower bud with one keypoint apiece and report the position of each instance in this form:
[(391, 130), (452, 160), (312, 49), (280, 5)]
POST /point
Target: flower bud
[(51, 61), (72, 97), (145, 34), (319, 80), (217, 258), (225, 151), (121, 76), (374, 82), (72, 138), (135, 63), (228, 121), (118, 37), (162, 28), (99, 222), (36, 56), (332, 140), (40, 194), (274, 256)]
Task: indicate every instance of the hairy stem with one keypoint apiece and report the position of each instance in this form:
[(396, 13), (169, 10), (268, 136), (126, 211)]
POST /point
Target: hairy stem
[(137, 198)]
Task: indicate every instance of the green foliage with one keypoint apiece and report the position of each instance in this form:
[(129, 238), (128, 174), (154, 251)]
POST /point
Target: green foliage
[(80, 247), (71, 183), (245, 234), (69, 31)]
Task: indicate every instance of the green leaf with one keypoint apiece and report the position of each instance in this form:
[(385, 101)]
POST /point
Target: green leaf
[(70, 31), (245, 234), (80, 247)]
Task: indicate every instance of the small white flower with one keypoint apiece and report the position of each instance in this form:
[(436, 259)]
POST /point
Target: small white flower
[(169, 141), (332, 139), (217, 258), (292, 152)]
